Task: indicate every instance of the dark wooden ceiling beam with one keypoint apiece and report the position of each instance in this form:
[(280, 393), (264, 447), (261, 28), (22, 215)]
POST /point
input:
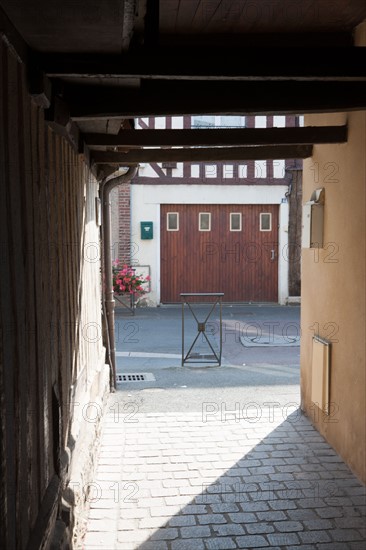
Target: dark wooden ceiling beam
[(247, 64), (39, 86), (162, 98), (151, 34), (220, 137), (202, 154), (225, 40), (129, 10), (10, 35)]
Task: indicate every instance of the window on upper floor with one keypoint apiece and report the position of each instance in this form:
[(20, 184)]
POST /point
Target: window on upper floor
[(228, 121), (203, 121), (222, 121)]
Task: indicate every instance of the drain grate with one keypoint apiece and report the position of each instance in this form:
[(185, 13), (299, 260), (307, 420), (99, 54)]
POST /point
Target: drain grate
[(136, 377)]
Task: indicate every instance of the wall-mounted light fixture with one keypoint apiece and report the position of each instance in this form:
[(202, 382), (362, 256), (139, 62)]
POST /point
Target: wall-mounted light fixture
[(313, 220)]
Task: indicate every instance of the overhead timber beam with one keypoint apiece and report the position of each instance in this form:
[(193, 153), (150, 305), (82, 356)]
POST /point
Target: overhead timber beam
[(162, 98), (151, 34), (348, 63), (129, 9), (203, 154), (225, 41), (39, 85), (10, 35), (214, 137)]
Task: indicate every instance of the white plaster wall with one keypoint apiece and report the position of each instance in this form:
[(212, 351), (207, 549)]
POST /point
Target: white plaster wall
[(283, 253), (260, 121), (147, 171), (177, 122), (279, 121), (146, 201)]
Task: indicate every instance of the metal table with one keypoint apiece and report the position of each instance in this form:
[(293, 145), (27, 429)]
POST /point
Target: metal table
[(190, 357)]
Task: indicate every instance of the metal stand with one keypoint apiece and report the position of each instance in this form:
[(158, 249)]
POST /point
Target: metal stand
[(131, 307), (190, 357)]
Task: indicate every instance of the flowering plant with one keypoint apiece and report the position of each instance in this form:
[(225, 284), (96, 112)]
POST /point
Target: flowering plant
[(126, 280)]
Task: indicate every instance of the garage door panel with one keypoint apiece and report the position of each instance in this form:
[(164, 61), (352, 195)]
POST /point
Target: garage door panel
[(243, 264)]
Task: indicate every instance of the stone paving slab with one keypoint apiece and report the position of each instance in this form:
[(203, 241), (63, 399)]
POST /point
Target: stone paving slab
[(192, 480)]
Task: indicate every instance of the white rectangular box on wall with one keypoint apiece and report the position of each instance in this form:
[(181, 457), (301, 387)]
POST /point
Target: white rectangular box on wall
[(320, 373), (306, 226), (313, 221)]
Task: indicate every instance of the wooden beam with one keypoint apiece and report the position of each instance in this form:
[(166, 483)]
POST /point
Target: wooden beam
[(161, 98), (226, 41), (40, 88), (58, 114), (10, 35), (203, 154), (219, 137), (279, 63), (151, 34), (129, 9)]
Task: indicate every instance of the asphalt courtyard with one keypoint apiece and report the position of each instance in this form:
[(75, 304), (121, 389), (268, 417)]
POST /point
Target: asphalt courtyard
[(217, 457)]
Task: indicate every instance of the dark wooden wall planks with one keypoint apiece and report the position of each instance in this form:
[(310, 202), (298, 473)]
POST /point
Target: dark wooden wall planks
[(47, 193)]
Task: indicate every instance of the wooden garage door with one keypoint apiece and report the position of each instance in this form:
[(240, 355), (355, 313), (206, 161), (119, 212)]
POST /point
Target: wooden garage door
[(233, 250)]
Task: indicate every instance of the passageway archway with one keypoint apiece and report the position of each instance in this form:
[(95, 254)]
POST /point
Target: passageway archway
[(73, 77)]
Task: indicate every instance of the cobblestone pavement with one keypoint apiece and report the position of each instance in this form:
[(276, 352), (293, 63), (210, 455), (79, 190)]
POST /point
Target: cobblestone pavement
[(211, 480)]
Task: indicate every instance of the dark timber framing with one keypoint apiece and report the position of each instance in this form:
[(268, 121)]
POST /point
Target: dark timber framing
[(164, 97), (218, 137), (203, 154), (213, 64)]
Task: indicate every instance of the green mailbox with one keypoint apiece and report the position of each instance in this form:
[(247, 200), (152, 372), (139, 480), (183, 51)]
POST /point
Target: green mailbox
[(146, 230)]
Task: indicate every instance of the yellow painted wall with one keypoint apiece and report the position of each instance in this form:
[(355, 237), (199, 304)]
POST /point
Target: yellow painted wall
[(333, 285)]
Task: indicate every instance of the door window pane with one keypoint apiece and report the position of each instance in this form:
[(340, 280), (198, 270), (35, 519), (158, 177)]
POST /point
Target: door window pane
[(235, 221), (204, 221), (265, 223), (172, 221)]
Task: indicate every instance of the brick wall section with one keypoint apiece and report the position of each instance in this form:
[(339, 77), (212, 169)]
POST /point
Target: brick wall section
[(124, 230)]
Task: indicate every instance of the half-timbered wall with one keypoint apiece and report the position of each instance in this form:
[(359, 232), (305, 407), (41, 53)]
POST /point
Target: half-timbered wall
[(276, 182), (260, 172), (51, 351)]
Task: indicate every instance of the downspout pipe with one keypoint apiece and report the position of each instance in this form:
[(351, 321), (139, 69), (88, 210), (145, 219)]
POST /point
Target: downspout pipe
[(106, 187)]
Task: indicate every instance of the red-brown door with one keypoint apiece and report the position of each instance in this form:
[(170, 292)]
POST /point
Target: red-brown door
[(220, 248)]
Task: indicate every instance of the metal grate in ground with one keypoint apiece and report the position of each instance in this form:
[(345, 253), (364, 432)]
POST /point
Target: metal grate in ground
[(135, 377)]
